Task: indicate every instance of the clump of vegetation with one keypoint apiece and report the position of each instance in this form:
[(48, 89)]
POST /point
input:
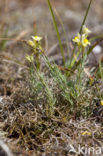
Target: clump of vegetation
[(69, 90)]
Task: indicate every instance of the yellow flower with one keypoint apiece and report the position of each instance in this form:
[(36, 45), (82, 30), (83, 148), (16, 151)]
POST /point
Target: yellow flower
[(81, 40), (86, 133), (85, 30), (85, 42), (101, 102), (37, 38), (77, 39), (29, 58), (31, 43)]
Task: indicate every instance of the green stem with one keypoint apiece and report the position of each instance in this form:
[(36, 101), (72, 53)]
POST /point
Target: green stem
[(37, 62), (74, 60), (85, 17), (65, 34), (57, 31)]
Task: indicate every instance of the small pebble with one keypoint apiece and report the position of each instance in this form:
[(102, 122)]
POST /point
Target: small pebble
[(97, 49)]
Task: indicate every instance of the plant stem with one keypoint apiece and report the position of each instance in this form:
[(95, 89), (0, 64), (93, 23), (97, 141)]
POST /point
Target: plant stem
[(57, 31), (65, 34), (85, 17)]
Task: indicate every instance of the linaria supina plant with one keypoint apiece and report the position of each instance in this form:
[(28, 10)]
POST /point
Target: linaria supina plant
[(70, 90), (38, 81)]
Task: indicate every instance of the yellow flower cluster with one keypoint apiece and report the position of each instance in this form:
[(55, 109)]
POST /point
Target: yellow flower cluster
[(35, 39), (35, 44), (82, 39)]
